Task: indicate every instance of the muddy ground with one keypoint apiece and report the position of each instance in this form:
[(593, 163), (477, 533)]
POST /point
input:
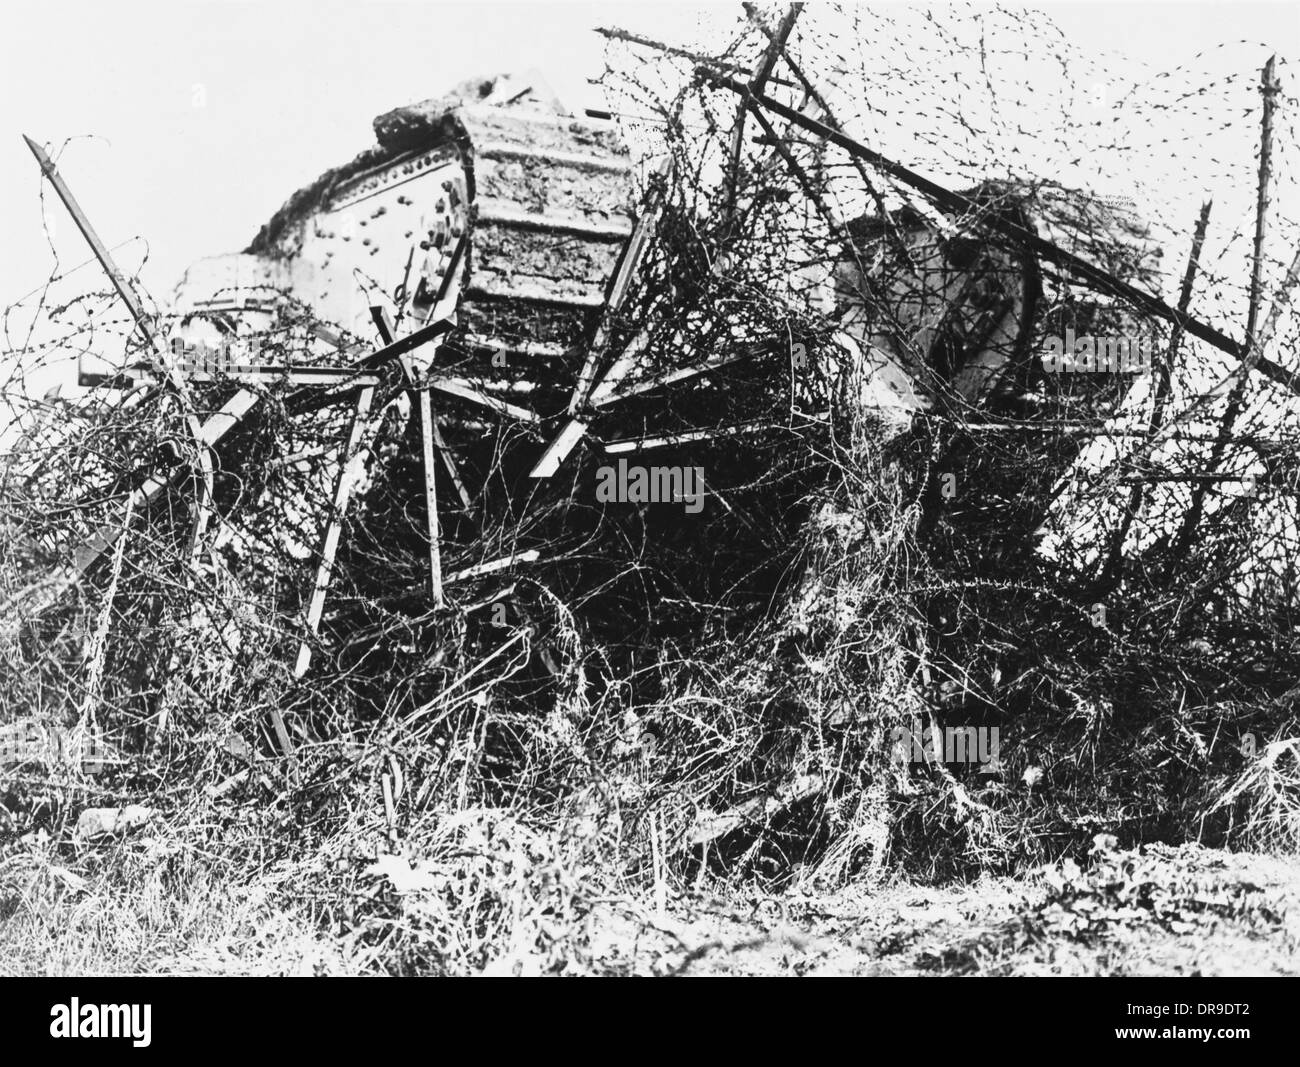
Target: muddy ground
[(1164, 911)]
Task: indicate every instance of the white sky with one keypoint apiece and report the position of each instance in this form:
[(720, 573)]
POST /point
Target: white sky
[(290, 89), (205, 116)]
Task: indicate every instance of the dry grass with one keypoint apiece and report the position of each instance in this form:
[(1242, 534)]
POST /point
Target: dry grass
[(487, 899), (141, 907)]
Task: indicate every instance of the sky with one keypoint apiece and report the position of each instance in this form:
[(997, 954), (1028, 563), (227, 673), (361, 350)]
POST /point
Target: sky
[(193, 122), (206, 117)]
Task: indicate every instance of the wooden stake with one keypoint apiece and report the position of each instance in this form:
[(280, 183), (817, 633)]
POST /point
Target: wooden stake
[(644, 444), (396, 349), (250, 373), (449, 462), (480, 569), (1164, 374), (464, 390), (628, 268), (673, 50), (430, 493), (430, 438), (143, 323), (342, 491), (106, 537), (629, 265), (1270, 89), (558, 450), (676, 376), (757, 83), (390, 815)]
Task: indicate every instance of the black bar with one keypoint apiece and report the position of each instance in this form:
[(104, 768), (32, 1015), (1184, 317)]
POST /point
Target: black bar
[(278, 1020)]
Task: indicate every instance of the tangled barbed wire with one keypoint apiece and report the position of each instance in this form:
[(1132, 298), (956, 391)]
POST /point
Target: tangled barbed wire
[(912, 520)]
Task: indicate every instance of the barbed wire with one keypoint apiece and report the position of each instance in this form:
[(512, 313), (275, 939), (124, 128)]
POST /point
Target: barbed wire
[(908, 513)]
